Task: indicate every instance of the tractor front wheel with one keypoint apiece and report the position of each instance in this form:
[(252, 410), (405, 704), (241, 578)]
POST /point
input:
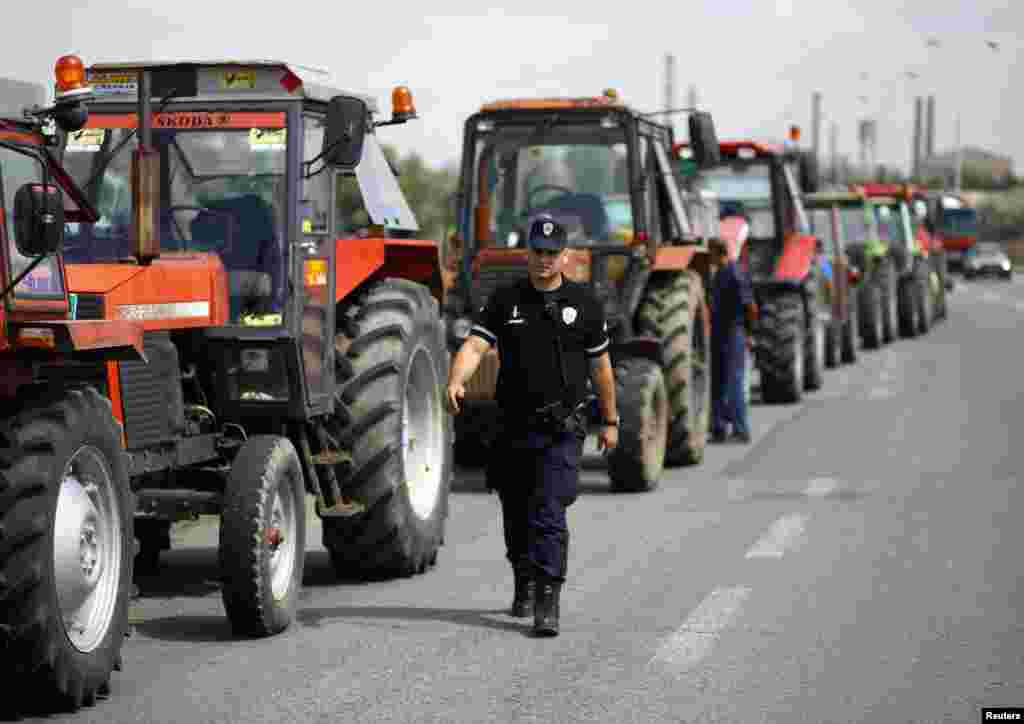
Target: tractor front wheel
[(66, 548), (392, 367), (781, 349), (263, 536)]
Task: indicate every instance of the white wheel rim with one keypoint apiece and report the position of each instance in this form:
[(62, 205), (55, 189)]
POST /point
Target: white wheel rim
[(87, 549), (798, 361), (282, 543), (422, 434)]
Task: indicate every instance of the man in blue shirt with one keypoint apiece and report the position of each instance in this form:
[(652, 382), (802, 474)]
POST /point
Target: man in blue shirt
[(733, 315)]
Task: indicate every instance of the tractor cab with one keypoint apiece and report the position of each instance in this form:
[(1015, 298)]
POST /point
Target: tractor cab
[(235, 196), (599, 167), (762, 184)]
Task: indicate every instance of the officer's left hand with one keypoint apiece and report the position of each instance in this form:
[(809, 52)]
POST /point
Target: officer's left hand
[(607, 439)]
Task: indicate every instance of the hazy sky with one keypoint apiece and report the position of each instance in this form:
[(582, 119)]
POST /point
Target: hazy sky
[(755, 64)]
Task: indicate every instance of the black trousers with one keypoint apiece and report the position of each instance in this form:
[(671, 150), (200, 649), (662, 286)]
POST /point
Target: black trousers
[(536, 476)]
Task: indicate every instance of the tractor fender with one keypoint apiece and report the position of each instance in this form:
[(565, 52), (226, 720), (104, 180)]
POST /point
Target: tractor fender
[(80, 339), (798, 252), (644, 347), (358, 260), (674, 258)]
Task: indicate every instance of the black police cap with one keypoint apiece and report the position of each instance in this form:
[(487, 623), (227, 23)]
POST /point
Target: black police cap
[(546, 233)]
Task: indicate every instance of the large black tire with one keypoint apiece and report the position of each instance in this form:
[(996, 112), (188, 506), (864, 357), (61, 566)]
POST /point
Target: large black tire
[(850, 331), (888, 281), (941, 269), (392, 366), (263, 536), (871, 308), (65, 532), (780, 349), (815, 342), (671, 311), (636, 464), (922, 287), (833, 333), (908, 306)]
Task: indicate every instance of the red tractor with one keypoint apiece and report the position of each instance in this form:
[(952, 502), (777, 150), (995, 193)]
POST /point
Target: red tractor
[(763, 184), (65, 502), (289, 349)]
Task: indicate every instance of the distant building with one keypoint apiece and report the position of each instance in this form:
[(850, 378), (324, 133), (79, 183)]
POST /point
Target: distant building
[(975, 161)]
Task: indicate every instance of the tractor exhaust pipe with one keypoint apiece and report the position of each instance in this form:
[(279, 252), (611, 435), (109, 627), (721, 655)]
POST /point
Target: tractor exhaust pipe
[(145, 180)]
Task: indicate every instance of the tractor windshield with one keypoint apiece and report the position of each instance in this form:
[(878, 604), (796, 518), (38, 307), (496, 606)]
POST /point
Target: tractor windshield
[(959, 222), (890, 223), (222, 190), (744, 188), (821, 227), (856, 228), (20, 166), (577, 172)]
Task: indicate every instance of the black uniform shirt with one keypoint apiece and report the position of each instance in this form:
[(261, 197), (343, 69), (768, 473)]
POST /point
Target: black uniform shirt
[(523, 322)]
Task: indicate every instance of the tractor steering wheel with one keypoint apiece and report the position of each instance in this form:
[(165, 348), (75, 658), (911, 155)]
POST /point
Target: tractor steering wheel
[(538, 189)]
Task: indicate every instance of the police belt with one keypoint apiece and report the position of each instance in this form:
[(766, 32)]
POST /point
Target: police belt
[(561, 417)]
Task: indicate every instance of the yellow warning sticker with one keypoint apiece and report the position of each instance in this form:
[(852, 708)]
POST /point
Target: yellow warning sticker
[(307, 226), (268, 139), (238, 80), (316, 272), (88, 139)]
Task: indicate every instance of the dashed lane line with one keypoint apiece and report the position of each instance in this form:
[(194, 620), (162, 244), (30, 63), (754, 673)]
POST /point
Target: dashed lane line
[(784, 533), (701, 630)]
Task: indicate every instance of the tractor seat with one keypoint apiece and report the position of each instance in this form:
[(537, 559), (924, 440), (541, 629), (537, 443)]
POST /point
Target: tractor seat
[(250, 257), (588, 207)]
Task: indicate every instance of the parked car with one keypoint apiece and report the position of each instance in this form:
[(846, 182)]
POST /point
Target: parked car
[(988, 258)]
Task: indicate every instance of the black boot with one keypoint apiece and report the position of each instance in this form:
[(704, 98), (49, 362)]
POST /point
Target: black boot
[(525, 593), (545, 613)]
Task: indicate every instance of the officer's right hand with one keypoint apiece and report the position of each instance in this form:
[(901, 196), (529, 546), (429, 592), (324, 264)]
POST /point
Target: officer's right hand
[(455, 394)]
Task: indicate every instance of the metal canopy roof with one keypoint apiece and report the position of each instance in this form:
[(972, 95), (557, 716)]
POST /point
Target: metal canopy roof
[(264, 80)]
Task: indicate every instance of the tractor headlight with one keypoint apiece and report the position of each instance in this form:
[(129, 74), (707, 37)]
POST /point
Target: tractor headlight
[(1006, 265)]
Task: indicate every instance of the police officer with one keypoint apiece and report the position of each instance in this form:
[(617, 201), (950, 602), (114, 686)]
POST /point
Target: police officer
[(551, 337), (732, 301)]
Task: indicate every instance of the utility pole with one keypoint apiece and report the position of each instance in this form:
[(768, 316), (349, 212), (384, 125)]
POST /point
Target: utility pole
[(929, 133), (958, 170), (816, 124), (833, 151), (691, 96), (670, 85), (915, 169)]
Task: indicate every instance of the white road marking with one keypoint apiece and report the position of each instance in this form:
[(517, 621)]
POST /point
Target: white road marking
[(886, 377), (880, 393), (820, 487), (783, 534), (692, 641), (989, 297), (1018, 307)]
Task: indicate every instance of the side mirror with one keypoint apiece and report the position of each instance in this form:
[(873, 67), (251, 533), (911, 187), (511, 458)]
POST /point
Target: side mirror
[(703, 139), (810, 180), (38, 219), (347, 119), (71, 117)]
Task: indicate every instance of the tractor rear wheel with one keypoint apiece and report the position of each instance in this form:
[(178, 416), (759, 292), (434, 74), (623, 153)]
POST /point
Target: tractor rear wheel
[(924, 300), (908, 306), (889, 285), (871, 309), (850, 330), (66, 546), (672, 311), (781, 349), (263, 536), (833, 335), (636, 464), (816, 340), (392, 365)]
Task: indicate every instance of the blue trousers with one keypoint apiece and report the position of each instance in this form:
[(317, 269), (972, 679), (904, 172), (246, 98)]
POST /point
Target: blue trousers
[(728, 382), (536, 476)]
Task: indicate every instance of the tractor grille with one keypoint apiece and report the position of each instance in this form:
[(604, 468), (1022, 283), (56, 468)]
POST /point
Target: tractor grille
[(492, 277), (90, 306)]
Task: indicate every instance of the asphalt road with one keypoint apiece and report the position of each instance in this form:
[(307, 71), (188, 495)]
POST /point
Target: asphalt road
[(859, 562)]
